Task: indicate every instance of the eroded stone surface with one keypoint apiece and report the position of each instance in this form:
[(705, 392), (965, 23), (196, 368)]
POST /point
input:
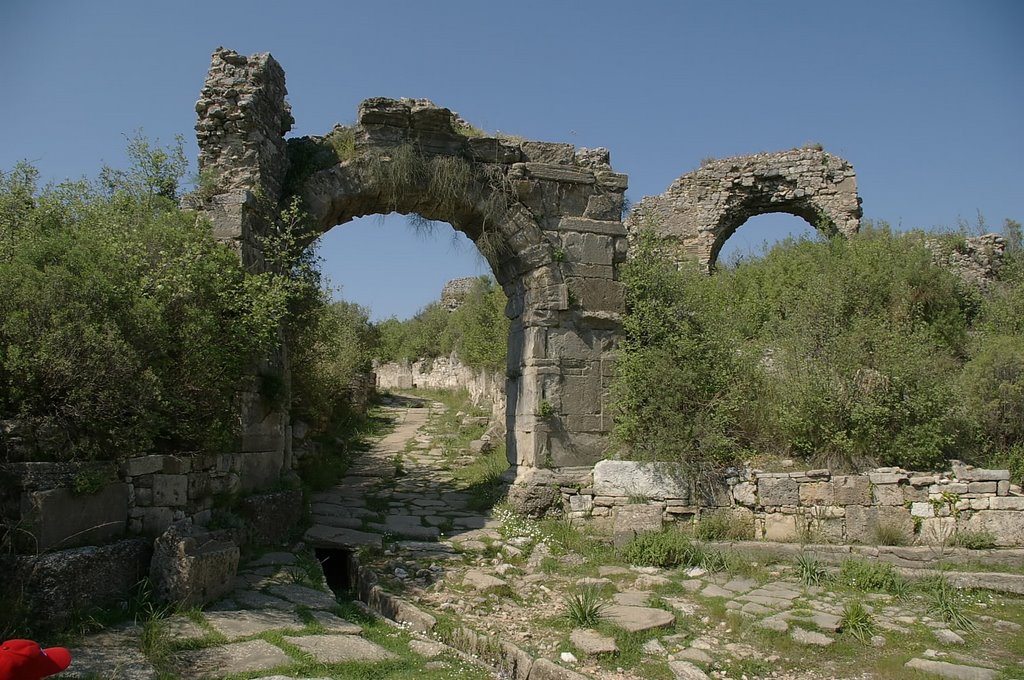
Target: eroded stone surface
[(339, 648), (238, 657)]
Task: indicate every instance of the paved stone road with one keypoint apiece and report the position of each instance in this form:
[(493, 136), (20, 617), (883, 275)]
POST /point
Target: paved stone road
[(279, 594)]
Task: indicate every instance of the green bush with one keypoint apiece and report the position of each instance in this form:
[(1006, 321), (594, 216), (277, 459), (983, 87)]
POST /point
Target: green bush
[(124, 327), (477, 331), (843, 352)]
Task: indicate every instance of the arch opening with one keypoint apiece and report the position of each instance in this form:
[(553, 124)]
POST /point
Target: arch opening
[(757, 235)]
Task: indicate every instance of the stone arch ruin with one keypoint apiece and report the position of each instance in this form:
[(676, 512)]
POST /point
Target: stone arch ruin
[(702, 209), (547, 217)]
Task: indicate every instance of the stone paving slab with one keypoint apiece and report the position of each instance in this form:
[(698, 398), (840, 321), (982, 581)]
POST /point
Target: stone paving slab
[(238, 657), (240, 624), (336, 624), (951, 670), (335, 537), (307, 597), (340, 648), (123, 663), (636, 619)]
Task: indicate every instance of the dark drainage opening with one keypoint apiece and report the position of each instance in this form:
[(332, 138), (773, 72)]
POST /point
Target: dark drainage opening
[(337, 566)]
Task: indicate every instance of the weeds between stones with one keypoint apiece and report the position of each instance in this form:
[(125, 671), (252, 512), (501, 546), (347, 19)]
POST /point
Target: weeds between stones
[(811, 571), (584, 606), (857, 621)]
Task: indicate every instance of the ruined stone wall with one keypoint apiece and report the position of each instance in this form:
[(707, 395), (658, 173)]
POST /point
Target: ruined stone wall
[(486, 388), (813, 506), (553, 242), (976, 260), (702, 209), (455, 291)]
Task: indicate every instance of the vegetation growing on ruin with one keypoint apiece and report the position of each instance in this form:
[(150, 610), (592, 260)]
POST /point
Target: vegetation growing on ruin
[(477, 331), (124, 326), (837, 352)]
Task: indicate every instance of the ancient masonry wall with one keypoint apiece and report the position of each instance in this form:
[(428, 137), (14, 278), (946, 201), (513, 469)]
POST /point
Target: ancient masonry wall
[(809, 506), (702, 209), (486, 388)]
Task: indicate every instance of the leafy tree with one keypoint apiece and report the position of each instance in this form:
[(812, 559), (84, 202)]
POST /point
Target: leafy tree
[(124, 326)]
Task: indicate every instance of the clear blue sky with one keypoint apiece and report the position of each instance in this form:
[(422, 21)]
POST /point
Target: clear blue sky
[(925, 98)]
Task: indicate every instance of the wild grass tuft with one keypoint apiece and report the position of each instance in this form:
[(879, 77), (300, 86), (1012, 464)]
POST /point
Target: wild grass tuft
[(891, 534), (584, 606), (811, 571), (669, 549), (947, 602), (857, 621), (974, 540), (873, 577)]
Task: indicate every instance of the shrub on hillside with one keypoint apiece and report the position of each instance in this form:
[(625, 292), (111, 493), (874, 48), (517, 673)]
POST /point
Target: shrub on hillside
[(845, 352), (124, 327)]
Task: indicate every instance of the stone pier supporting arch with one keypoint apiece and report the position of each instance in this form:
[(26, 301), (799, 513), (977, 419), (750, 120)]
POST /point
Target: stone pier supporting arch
[(702, 209), (547, 217)]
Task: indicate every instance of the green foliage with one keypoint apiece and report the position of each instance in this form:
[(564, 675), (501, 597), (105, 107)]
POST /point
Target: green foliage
[(329, 348), (888, 533), (669, 549), (873, 577), (842, 352), (477, 331), (584, 606), (811, 571), (479, 327), (857, 621), (974, 540), (723, 526), (947, 603), (124, 326)]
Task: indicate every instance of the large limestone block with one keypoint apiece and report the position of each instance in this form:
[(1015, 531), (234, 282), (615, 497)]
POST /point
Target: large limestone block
[(862, 523), (780, 527), (59, 519), (631, 520), (1006, 525), (192, 568), (775, 491), (646, 479), (852, 490)]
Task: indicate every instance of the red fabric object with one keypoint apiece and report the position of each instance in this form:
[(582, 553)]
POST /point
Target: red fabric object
[(26, 660)]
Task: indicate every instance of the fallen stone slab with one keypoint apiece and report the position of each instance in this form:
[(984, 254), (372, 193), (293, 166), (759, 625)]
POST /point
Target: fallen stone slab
[(592, 643), (947, 637), (337, 537), (684, 670), (545, 669), (810, 637), (100, 661), (711, 590), (427, 649), (636, 619), (633, 598), (240, 624), (336, 624), (307, 597), (254, 599), (239, 657), (477, 580), (951, 670), (341, 648)]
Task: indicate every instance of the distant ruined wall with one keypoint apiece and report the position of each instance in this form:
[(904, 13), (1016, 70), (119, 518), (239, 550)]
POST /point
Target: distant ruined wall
[(486, 388), (702, 209), (815, 506), (976, 261)]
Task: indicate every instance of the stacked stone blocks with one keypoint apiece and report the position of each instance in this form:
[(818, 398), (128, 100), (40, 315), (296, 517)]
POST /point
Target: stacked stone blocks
[(816, 505)]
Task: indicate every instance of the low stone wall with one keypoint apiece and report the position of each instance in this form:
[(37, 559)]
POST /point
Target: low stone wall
[(810, 506), (485, 388)]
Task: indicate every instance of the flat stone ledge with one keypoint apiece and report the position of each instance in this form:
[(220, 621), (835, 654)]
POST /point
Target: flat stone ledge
[(240, 657), (341, 648)]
